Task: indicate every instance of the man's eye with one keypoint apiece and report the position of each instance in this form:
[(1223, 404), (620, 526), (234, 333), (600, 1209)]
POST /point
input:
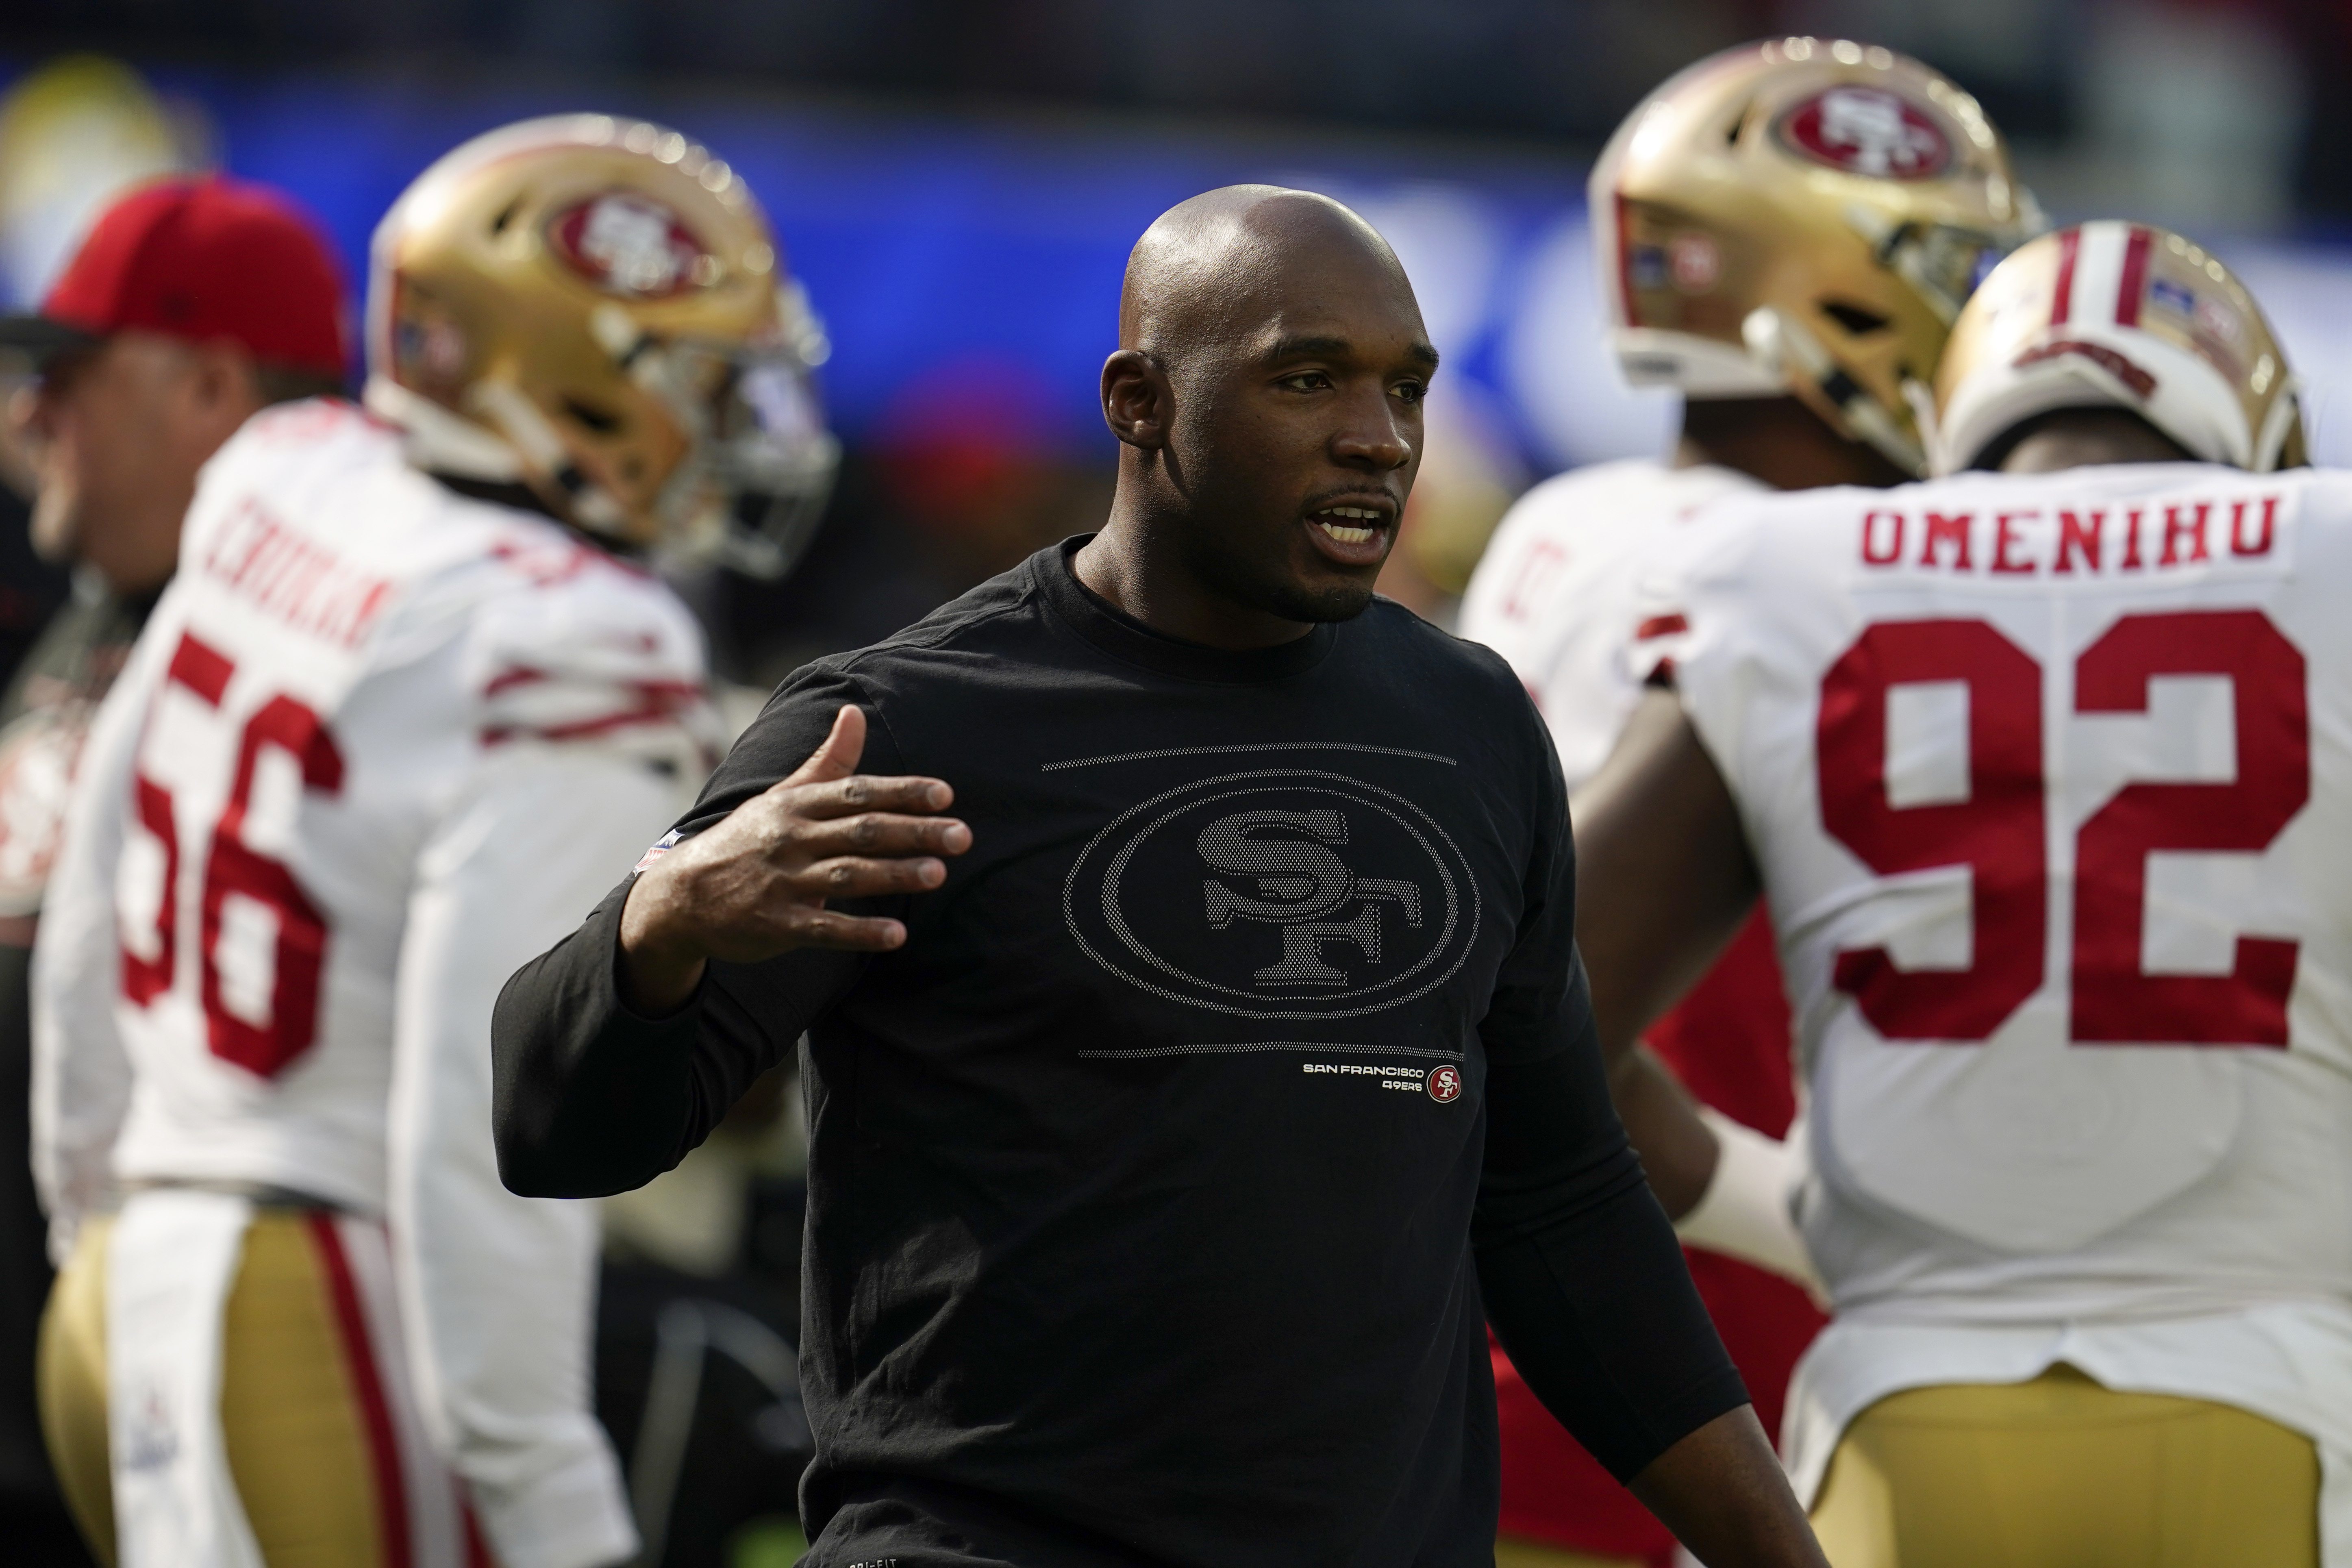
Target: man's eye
[(1410, 391), (1306, 381)]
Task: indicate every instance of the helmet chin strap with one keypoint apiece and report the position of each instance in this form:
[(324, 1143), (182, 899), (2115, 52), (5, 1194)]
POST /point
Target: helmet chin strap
[(1783, 346), (1922, 399), (2270, 441), (545, 458), (440, 441), (521, 445)]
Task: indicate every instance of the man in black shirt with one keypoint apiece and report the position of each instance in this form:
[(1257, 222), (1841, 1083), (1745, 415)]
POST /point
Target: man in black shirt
[(1177, 1108)]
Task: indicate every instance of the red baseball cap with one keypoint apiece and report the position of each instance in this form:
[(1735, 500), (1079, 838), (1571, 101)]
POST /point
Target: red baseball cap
[(201, 258)]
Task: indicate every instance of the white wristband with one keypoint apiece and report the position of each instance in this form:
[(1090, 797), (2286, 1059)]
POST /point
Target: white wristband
[(1745, 1210)]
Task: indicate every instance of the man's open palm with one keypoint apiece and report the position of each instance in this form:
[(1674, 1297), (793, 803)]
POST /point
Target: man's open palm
[(759, 883)]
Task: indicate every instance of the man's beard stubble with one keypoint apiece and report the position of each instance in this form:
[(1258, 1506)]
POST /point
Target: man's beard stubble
[(1292, 603), (1270, 590)]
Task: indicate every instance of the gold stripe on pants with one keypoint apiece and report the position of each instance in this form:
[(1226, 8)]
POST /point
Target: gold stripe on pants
[(2063, 1472), (297, 1431), (70, 1376)]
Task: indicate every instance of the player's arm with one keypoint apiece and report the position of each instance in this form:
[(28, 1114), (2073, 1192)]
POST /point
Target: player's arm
[(81, 1071), (618, 1049), (1727, 1498), (1664, 881), (1581, 1274), (497, 1290)]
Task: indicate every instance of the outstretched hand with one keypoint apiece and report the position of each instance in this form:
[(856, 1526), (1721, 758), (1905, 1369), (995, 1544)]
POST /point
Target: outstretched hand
[(758, 883)]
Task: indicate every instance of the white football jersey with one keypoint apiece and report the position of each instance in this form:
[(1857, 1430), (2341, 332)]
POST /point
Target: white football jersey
[(377, 746), (1555, 592), (2047, 777)]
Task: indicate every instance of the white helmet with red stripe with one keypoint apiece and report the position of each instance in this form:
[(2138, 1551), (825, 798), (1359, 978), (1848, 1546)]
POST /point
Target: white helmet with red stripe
[(2117, 315)]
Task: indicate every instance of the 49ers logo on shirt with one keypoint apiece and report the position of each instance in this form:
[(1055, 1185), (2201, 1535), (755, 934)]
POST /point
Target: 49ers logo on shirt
[(629, 244), (1867, 130), (1444, 1085), (1276, 894)]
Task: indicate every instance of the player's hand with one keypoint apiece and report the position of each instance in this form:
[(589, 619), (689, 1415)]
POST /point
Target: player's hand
[(758, 884)]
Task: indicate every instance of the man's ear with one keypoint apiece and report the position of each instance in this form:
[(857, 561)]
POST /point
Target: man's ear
[(227, 384), (1136, 400)]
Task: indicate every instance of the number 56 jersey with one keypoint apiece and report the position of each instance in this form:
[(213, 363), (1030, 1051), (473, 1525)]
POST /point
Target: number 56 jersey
[(360, 691), (2050, 781), (377, 744)]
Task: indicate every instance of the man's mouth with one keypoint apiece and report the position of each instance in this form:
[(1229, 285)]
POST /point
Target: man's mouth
[(1349, 525)]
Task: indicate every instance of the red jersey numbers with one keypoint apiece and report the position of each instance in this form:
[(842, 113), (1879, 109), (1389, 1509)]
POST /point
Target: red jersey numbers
[(1997, 829), (2114, 1001), (248, 900), (1532, 590), (197, 669)]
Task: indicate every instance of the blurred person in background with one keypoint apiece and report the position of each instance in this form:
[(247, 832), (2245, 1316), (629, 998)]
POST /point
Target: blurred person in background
[(1786, 232), (2046, 773), (192, 304), (408, 703), (75, 134)]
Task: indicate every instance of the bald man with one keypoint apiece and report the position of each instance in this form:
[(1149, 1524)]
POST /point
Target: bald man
[(1176, 1104)]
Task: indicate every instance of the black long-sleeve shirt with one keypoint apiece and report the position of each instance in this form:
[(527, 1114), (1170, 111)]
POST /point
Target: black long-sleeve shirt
[(1152, 1183)]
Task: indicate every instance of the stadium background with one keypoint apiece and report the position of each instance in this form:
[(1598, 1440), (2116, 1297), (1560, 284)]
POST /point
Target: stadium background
[(957, 184)]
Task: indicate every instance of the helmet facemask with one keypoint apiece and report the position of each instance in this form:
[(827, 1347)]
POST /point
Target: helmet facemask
[(758, 462)]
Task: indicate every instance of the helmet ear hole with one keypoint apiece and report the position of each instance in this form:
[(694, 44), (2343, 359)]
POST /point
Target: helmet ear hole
[(589, 417), (1857, 321), (506, 215)]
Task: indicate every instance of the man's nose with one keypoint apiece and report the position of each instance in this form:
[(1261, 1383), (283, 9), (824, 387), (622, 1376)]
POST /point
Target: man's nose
[(1372, 439)]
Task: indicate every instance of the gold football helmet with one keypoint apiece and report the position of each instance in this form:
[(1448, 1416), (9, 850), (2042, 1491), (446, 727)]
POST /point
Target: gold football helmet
[(1803, 216), (597, 308), (2118, 315)]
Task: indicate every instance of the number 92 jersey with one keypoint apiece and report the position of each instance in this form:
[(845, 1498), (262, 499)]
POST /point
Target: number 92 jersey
[(2049, 779)]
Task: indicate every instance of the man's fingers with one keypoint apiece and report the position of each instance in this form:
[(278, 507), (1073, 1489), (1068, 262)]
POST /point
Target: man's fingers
[(882, 834), (856, 877), (866, 792), (826, 927), (837, 758), (850, 835)]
